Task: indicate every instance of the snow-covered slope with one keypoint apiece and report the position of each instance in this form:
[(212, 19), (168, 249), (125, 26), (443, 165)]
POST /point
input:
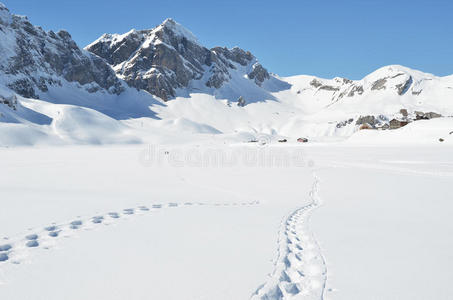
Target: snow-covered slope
[(386, 90)]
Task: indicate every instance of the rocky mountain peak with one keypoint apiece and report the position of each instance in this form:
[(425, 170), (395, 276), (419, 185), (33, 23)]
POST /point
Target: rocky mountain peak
[(169, 57), (176, 29)]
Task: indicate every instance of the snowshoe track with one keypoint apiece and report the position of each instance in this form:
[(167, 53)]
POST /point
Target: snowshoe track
[(300, 270)]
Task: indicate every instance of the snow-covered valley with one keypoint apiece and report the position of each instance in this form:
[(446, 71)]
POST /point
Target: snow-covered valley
[(179, 229)]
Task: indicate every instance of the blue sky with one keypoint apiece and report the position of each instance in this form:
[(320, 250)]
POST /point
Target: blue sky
[(349, 38)]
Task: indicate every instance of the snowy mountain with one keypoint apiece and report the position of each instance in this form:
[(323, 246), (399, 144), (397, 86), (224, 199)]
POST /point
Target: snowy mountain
[(32, 60), (163, 85), (76, 88), (389, 92), (168, 61)]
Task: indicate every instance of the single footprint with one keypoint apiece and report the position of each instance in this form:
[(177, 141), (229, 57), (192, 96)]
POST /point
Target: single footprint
[(3, 257), (97, 219), (75, 224), (128, 211), (114, 215), (6, 247), (32, 244), (32, 237), (143, 208), (51, 228), (157, 205), (54, 233)]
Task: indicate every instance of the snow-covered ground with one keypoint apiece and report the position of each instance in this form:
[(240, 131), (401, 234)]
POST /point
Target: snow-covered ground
[(215, 221), (385, 226)]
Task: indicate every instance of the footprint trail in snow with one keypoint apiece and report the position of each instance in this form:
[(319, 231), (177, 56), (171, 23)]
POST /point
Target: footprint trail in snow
[(300, 270), (16, 250)]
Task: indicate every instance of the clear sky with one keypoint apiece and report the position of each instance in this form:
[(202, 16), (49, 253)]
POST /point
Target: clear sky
[(349, 38)]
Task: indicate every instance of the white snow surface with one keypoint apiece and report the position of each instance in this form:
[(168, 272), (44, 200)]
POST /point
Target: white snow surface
[(350, 222)]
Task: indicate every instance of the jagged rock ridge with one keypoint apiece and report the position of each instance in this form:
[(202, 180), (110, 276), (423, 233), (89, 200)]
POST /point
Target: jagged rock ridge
[(168, 57), (32, 59)]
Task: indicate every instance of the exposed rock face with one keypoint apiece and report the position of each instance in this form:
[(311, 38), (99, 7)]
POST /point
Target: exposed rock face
[(355, 89), (168, 57), (33, 59), (391, 78), (371, 120), (321, 86), (316, 83), (374, 122), (403, 87), (339, 87), (395, 124), (400, 119), (241, 102), (10, 101), (419, 115), (344, 123), (394, 79), (259, 74)]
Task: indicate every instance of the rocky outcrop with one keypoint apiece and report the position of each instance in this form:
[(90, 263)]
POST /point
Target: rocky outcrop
[(10, 101), (169, 57), (321, 86), (403, 87), (370, 120), (399, 120), (241, 102), (379, 84), (344, 123), (32, 59), (258, 73), (395, 123), (419, 115), (374, 122), (387, 81)]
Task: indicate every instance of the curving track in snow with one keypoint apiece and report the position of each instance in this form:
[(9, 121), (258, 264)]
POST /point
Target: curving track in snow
[(16, 250), (300, 270)]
